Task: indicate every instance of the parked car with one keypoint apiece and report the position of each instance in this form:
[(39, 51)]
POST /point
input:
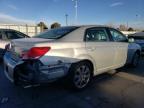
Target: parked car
[(134, 54), (76, 53), (6, 35), (139, 39)]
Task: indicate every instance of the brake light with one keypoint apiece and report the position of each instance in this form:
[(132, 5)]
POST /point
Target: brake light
[(35, 52)]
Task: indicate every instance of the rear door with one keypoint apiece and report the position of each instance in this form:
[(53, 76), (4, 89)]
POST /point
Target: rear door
[(121, 47), (100, 48)]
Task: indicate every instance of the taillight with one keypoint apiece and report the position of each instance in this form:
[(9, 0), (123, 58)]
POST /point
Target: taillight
[(35, 52)]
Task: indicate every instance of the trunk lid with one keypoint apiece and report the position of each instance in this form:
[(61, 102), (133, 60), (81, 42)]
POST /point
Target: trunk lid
[(28, 42), (21, 45)]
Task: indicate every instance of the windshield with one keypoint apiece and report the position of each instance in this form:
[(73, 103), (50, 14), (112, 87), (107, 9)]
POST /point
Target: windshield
[(56, 33)]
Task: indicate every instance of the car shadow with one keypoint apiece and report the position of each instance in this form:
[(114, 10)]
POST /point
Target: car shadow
[(138, 71)]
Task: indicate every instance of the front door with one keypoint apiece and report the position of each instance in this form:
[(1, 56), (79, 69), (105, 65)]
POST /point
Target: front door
[(121, 47), (100, 48)]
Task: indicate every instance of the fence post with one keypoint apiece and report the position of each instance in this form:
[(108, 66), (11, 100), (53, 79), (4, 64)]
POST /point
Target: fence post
[(26, 29), (19, 28), (35, 30)]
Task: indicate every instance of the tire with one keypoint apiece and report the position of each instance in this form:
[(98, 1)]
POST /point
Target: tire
[(135, 60), (80, 75)]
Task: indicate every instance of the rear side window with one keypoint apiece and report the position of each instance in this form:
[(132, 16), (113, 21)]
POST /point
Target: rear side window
[(56, 33), (96, 35)]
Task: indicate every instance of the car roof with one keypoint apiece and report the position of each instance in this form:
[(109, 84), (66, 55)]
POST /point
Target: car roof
[(138, 34), (78, 34), (1, 29), (88, 26)]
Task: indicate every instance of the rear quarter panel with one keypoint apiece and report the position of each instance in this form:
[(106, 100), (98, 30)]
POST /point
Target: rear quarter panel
[(67, 52)]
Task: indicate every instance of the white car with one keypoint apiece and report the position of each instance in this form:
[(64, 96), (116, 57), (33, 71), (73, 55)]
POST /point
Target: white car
[(76, 53), (6, 35)]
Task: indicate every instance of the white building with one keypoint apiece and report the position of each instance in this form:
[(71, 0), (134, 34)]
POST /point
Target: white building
[(30, 30)]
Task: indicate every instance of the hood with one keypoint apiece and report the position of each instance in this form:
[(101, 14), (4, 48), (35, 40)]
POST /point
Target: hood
[(134, 46), (139, 41)]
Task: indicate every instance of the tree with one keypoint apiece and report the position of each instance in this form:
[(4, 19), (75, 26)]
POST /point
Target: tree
[(122, 27), (130, 29), (42, 26), (55, 25), (111, 24)]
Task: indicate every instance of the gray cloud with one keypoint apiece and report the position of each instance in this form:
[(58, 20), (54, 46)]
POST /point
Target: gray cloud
[(12, 7)]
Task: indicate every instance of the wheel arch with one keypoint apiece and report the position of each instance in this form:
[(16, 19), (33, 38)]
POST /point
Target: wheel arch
[(89, 59)]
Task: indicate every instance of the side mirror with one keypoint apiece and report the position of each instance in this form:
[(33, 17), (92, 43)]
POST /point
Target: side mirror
[(131, 40)]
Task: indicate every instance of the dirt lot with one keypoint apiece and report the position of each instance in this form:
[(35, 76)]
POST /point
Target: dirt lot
[(122, 90)]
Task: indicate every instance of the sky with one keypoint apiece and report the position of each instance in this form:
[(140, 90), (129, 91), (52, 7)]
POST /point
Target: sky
[(101, 12)]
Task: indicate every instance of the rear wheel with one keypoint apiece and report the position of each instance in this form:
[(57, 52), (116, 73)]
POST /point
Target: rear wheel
[(80, 75)]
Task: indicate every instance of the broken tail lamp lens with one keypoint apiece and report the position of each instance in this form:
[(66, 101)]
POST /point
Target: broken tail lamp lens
[(35, 53)]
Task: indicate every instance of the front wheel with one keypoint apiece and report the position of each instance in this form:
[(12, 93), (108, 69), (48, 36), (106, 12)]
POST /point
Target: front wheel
[(135, 60), (80, 75)]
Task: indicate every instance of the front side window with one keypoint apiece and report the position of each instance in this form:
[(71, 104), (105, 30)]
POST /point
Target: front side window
[(117, 36), (21, 35), (97, 35), (56, 33)]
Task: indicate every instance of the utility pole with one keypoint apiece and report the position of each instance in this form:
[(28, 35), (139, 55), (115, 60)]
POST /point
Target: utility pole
[(66, 15), (76, 11), (127, 24)]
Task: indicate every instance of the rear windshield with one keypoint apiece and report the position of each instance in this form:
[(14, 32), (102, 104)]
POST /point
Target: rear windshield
[(56, 33)]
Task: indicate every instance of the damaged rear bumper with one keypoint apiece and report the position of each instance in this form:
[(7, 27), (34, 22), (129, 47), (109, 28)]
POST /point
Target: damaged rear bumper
[(33, 71)]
